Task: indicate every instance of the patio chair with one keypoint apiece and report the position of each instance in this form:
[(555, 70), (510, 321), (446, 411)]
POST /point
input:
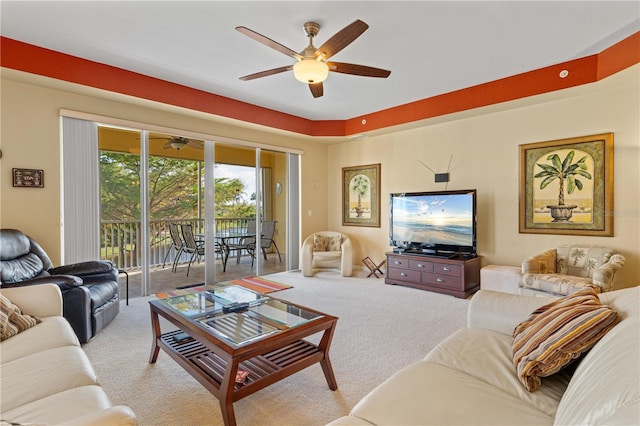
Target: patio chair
[(244, 243), (176, 243), (196, 248), (266, 241)]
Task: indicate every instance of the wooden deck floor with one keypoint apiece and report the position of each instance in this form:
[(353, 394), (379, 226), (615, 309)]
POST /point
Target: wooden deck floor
[(163, 279)]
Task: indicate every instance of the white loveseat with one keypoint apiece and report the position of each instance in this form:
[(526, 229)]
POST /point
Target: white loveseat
[(46, 378), (470, 377), (559, 271)]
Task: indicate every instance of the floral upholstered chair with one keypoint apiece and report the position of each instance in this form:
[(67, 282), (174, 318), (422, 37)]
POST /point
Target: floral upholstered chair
[(326, 249), (570, 268)]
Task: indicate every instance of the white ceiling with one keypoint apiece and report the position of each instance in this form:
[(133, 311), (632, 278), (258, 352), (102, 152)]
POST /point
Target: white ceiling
[(431, 47)]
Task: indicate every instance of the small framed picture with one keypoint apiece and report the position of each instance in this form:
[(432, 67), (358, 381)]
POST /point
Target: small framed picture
[(28, 178)]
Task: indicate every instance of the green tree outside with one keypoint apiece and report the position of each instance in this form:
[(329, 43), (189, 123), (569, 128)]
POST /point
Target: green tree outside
[(173, 189)]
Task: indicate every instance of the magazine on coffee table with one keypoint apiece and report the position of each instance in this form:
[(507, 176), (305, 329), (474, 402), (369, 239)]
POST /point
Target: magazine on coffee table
[(235, 295), (193, 305)]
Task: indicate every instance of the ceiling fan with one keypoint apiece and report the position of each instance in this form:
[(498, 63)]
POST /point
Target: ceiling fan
[(313, 67), (179, 142)]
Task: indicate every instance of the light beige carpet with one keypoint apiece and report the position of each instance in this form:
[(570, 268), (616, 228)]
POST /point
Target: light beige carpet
[(381, 328)]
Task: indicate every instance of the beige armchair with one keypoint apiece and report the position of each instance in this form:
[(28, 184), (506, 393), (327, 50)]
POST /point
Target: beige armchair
[(327, 249), (570, 268)]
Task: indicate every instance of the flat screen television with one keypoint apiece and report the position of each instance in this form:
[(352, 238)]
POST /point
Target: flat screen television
[(441, 223)]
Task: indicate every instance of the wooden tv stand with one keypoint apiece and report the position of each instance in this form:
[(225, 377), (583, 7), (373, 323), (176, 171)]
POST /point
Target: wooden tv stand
[(457, 277)]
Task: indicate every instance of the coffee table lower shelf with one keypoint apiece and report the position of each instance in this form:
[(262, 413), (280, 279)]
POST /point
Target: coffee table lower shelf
[(209, 368)]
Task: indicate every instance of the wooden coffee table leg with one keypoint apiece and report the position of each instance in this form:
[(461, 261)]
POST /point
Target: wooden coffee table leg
[(328, 373), (228, 416), (226, 393), (155, 327), (327, 369)]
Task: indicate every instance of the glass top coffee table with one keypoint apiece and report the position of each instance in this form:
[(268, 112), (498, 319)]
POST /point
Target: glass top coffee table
[(235, 341)]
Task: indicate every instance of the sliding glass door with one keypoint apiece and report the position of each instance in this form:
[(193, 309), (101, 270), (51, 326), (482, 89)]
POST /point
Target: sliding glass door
[(250, 209), (175, 211)]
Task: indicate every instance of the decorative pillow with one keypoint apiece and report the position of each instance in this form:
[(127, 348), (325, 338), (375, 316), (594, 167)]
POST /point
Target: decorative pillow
[(557, 333), (544, 263), (320, 242), (12, 320), (334, 243)]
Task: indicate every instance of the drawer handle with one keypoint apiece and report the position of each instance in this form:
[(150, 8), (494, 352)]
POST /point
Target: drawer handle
[(397, 262), (440, 280), (420, 265), (446, 268), (402, 274)]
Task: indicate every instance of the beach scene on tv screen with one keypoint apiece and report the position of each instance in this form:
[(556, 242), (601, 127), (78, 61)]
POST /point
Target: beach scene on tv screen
[(434, 219)]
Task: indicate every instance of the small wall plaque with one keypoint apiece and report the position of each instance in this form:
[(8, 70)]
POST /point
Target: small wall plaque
[(30, 178)]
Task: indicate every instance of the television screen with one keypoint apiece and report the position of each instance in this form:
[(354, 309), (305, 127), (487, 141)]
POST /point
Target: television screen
[(441, 221)]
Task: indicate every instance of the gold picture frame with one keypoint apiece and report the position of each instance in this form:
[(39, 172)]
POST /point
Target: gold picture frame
[(566, 186), (361, 195)]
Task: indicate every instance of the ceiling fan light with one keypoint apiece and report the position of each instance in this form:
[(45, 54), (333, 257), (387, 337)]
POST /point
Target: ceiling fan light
[(178, 144), (310, 71)]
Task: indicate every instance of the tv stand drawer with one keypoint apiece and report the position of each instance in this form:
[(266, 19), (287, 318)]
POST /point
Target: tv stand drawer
[(447, 269), (441, 280), (398, 262), (404, 274), (421, 265)]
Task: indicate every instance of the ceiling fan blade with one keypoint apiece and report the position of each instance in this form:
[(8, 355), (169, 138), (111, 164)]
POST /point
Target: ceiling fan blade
[(266, 73), (317, 89), (269, 43), (341, 39), (361, 70), (196, 144), (166, 145)]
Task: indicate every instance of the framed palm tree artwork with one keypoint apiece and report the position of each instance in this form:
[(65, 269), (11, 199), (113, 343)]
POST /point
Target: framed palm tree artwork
[(566, 186), (361, 195)]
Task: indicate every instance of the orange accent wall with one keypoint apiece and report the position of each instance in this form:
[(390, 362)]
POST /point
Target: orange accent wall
[(37, 60)]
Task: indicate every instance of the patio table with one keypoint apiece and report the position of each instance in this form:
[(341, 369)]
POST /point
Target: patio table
[(223, 239)]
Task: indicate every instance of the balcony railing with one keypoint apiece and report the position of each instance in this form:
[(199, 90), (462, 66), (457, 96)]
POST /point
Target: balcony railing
[(121, 240)]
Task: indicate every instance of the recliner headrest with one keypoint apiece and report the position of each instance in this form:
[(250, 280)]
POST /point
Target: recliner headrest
[(13, 244)]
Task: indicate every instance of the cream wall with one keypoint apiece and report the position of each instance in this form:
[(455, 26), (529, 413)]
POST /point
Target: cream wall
[(30, 138), (482, 143), (483, 146)]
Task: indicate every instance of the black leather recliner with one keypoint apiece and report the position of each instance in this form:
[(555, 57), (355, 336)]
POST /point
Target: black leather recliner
[(90, 291)]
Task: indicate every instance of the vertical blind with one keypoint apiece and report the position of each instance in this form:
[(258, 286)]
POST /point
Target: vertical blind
[(293, 211), (80, 191)]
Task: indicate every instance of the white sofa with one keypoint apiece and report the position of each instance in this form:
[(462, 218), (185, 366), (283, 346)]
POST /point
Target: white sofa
[(470, 377), (46, 378)]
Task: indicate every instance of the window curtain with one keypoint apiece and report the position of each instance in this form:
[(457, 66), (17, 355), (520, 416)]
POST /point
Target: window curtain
[(80, 191)]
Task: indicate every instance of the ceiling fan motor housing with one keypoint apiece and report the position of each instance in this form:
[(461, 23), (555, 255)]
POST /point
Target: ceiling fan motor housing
[(311, 29)]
